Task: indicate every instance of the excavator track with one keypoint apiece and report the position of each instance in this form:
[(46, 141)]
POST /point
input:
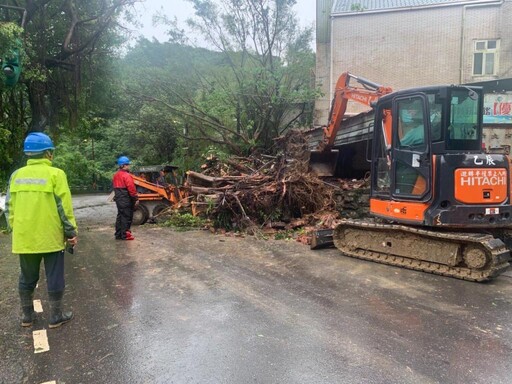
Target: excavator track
[(468, 256)]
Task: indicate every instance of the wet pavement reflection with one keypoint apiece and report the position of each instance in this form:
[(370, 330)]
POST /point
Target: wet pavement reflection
[(192, 307)]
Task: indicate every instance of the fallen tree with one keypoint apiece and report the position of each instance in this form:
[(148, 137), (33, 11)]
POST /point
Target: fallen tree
[(271, 194), (262, 191)]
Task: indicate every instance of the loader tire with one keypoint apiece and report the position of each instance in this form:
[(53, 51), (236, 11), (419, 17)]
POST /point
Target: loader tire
[(140, 215), (159, 208)]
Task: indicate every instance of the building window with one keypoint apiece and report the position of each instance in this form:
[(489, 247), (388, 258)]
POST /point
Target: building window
[(485, 57)]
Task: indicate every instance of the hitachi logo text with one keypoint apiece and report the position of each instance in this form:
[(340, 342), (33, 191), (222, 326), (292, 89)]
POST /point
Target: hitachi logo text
[(483, 180)]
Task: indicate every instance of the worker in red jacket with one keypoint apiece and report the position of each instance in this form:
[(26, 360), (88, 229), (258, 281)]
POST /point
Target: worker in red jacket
[(126, 199)]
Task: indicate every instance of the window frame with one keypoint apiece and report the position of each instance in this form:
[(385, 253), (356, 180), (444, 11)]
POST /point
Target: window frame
[(484, 52)]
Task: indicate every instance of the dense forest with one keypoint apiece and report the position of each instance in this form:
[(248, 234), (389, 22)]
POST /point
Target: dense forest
[(100, 95)]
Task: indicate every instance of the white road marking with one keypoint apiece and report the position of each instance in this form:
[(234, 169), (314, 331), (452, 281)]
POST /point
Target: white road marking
[(38, 307), (40, 341), (50, 382)]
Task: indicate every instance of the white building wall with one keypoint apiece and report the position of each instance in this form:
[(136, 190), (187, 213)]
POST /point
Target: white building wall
[(411, 48), (323, 60), (480, 23), (323, 102), (506, 42)]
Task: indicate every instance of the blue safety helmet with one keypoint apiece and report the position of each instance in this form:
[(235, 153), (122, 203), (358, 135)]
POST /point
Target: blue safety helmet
[(123, 160), (36, 143)]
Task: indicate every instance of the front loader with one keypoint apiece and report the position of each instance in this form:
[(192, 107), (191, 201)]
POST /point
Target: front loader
[(155, 196)]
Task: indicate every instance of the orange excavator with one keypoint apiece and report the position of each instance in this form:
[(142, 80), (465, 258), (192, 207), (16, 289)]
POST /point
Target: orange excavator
[(438, 202)]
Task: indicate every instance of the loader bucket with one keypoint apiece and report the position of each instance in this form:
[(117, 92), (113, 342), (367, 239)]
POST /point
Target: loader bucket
[(323, 163)]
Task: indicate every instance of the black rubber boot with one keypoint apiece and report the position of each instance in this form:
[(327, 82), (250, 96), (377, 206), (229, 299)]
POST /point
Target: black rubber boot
[(27, 306), (57, 317)]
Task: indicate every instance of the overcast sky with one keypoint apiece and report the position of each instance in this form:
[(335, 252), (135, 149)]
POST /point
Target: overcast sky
[(305, 10)]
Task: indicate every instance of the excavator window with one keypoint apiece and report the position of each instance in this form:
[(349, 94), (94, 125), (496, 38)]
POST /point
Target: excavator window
[(382, 150), (383, 175), (409, 181), (435, 109), (411, 123), (463, 128)]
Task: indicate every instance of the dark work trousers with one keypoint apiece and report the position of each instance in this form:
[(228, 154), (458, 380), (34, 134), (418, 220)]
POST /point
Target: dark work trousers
[(124, 217), (53, 266)]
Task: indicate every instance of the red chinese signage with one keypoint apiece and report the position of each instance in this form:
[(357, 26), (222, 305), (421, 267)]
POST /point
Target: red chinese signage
[(498, 109)]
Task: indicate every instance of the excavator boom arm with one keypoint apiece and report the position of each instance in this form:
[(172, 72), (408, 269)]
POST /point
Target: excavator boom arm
[(367, 93)]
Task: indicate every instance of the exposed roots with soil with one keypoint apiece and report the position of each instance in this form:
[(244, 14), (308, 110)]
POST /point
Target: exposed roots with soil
[(266, 194)]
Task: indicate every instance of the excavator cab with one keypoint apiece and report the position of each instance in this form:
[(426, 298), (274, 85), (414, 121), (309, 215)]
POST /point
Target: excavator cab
[(428, 166)]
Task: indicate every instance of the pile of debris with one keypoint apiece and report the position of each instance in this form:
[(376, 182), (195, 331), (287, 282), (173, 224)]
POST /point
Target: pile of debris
[(261, 192), (266, 194)]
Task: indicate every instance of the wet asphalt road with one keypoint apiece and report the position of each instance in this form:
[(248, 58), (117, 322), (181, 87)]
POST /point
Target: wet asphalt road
[(192, 307)]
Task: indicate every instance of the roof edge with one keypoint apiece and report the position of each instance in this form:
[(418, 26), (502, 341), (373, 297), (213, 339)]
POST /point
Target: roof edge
[(399, 9)]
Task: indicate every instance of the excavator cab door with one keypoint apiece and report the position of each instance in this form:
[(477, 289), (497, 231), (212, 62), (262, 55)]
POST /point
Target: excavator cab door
[(411, 160)]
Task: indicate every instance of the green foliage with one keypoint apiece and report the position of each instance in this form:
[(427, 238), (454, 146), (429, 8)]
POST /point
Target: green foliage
[(255, 83), (215, 151), (67, 73), (223, 219), (9, 33), (160, 102), (272, 214), (5, 154), (151, 134), (13, 116), (3, 224), (284, 235), (185, 221), (73, 157)]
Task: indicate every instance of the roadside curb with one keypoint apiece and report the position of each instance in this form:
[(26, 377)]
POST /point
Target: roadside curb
[(91, 206)]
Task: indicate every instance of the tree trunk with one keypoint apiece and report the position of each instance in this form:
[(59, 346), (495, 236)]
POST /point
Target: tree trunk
[(36, 97)]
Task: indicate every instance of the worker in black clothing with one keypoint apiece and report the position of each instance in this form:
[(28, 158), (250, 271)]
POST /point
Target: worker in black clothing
[(126, 199)]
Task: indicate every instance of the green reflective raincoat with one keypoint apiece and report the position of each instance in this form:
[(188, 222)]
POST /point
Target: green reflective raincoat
[(38, 208)]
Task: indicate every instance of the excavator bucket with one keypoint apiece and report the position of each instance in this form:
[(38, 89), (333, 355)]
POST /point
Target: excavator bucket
[(323, 163)]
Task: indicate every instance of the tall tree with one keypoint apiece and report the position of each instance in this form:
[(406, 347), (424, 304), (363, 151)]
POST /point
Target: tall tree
[(264, 82), (66, 42), (67, 36)]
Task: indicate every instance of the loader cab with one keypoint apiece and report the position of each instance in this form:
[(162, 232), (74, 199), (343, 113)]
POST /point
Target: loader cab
[(152, 173), (412, 127)]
